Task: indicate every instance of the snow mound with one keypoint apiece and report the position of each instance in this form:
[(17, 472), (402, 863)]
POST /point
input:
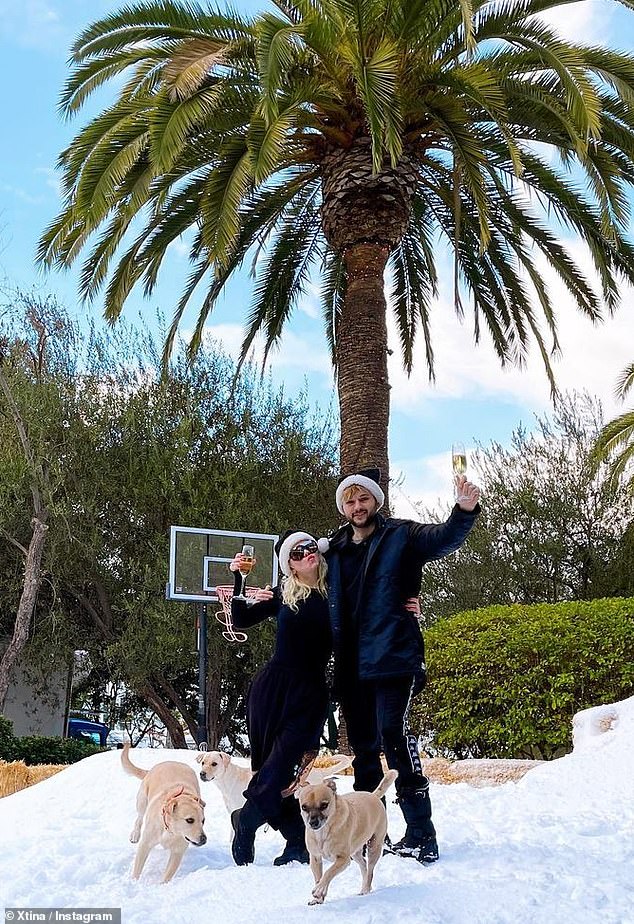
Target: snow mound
[(613, 723), (556, 846)]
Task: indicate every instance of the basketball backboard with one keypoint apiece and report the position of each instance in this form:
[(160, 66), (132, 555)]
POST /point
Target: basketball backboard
[(199, 560)]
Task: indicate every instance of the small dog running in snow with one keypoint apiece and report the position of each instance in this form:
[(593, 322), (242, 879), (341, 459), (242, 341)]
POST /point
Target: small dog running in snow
[(339, 827)]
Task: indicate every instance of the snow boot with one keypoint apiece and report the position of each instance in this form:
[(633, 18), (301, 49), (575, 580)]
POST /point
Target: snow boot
[(291, 827), (420, 835), (421, 848), (245, 822)]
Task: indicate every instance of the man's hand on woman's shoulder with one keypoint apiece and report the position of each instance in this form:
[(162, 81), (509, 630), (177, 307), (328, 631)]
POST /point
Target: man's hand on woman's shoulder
[(263, 594)]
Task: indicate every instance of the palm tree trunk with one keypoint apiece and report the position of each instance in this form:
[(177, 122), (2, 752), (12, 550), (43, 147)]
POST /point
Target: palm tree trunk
[(362, 382)]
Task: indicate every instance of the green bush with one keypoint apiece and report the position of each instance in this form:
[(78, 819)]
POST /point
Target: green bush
[(6, 733), (506, 681), (40, 750), (37, 749)]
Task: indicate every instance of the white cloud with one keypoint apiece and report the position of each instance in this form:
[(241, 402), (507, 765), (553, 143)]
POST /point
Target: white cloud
[(179, 247), (21, 194), (310, 303), (588, 21), (52, 179), (426, 483), (294, 352), (591, 357)]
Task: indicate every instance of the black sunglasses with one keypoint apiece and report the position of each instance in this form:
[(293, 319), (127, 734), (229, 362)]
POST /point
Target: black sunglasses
[(307, 548)]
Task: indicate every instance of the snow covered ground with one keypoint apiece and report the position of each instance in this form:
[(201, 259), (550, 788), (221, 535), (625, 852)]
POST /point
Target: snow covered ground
[(557, 846)]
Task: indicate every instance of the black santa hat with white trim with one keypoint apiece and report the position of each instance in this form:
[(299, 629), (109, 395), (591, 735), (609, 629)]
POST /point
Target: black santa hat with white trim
[(367, 478)]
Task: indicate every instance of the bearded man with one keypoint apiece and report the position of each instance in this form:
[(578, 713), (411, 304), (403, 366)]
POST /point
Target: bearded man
[(374, 565)]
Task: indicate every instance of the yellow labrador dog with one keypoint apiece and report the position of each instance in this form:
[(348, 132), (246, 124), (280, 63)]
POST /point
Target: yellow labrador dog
[(232, 779), (170, 812), (339, 827)]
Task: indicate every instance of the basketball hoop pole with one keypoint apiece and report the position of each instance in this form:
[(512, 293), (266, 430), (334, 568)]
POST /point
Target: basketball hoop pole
[(201, 735)]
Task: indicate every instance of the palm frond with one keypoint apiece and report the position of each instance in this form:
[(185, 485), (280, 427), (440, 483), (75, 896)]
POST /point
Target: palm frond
[(227, 186), (259, 218), (615, 446), (285, 274), (415, 287), (333, 290), (625, 381)]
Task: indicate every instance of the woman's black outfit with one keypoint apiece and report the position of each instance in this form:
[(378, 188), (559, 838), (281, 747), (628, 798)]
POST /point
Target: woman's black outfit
[(287, 706)]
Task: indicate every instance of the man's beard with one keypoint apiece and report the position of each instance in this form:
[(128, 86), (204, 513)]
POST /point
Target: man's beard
[(369, 521)]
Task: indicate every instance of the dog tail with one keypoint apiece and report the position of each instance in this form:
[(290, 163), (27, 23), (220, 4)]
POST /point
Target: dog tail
[(128, 766), (385, 783)]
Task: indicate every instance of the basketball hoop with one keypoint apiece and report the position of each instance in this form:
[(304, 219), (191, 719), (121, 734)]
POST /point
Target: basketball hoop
[(224, 593)]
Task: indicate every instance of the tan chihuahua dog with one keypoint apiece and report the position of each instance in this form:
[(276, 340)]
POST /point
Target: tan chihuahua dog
[(338, 828)]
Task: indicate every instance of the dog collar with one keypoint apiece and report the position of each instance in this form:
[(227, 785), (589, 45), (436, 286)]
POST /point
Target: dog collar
[(167, 804)]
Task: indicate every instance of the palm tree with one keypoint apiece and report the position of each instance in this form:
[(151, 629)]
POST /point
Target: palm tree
[(615, 443), (350, 140)]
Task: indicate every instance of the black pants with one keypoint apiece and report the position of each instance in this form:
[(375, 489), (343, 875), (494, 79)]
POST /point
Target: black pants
[(377, 714), (286, 711)]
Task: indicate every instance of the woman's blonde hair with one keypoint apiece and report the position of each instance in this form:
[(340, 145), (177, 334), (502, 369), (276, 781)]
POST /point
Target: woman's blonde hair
[(293, 591)]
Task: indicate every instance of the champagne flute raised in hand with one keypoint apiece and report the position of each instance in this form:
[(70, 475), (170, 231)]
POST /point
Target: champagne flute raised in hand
[(458, 462), (459, 459), (247, 563)]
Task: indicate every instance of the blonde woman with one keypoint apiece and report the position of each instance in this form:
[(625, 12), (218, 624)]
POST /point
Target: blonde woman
[(288, 700)]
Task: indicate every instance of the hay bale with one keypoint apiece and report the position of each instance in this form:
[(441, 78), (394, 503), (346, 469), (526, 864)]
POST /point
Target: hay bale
[(13, 777), (476, 772), (16, 775), (485, 772), (42, 772)]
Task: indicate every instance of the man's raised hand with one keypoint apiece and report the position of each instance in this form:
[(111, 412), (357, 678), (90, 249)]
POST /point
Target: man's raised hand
[(467, 493)]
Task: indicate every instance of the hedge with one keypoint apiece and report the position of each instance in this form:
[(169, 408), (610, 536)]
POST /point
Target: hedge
[(506, 681), (38, 749)]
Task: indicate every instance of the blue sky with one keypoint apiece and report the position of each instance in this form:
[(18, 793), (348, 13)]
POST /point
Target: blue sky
[(472, 399)]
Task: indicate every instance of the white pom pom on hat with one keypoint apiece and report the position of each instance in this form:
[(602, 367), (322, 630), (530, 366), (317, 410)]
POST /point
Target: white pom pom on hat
[(366, 478), (323, 544)]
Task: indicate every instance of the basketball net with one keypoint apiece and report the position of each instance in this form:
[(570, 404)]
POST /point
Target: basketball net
[(224, 593)]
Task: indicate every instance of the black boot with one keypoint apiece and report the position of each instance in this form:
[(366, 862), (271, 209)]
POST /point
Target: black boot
[(245, 822), (420, 835), (292, 828), (415, 845)]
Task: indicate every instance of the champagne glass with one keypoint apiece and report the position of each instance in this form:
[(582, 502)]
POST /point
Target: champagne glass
[(248, 561), (459, 459), (458, 462)]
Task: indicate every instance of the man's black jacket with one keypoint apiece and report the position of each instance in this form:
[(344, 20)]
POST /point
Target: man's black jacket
[(390, 643)]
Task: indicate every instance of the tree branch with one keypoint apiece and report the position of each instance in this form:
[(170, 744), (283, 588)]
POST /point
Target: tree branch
[(36, 471), (85, 603), (14, 542), (32, 580), (179, 702)]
